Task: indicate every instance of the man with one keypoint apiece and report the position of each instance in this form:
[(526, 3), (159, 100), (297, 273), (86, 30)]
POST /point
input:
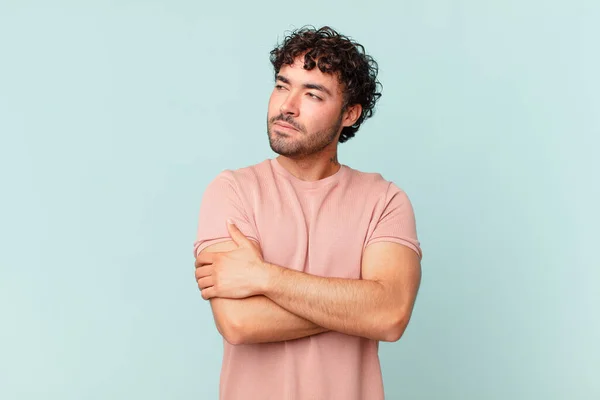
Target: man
[(308, 263)]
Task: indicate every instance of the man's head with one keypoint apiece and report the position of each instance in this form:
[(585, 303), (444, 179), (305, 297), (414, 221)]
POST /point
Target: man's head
[(325, 87)]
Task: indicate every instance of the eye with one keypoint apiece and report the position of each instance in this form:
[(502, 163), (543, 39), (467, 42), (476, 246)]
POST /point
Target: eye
[(279, 87), (314, 96)]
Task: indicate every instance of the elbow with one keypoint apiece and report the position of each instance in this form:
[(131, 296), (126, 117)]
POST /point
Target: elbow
[(233, 332), (393, 334), (231, 335), (394, 327), (229, 321)]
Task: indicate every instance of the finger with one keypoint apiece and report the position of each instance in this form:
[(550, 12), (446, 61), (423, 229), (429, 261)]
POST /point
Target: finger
[(203, 271), (209, 293), (237, 235), (205, 282), (206, 258)]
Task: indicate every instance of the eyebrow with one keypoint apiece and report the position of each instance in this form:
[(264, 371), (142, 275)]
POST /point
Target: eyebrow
[(314, 86)]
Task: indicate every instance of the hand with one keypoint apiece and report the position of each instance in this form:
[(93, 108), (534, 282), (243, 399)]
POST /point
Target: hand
[(235, 274)]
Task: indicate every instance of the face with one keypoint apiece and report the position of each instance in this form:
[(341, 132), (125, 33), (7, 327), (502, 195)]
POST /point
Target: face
[(305, 111)]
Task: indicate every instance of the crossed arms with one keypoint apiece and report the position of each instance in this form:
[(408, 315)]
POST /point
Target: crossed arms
[(256, 302)]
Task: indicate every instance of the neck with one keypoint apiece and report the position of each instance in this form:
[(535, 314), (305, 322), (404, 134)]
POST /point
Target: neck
[(313, 167)]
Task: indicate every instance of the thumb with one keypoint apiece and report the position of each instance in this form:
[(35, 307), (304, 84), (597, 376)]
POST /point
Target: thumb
[(237, 235)]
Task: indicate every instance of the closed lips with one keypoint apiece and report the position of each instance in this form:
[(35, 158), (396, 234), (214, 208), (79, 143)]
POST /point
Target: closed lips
[(285, 125)]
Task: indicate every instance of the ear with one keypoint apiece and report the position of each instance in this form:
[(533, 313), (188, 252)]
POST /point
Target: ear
[(351, 114)]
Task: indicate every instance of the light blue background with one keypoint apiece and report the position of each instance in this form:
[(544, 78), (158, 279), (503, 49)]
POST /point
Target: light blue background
[(115, 115)]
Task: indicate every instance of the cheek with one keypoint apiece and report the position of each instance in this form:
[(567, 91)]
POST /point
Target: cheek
[(274, 104), (321, 118)]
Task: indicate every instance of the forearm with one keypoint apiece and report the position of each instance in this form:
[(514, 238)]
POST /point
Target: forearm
[(353, 306), (258, 319)]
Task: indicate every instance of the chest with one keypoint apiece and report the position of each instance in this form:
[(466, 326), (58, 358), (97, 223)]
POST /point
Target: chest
[(318, 233)]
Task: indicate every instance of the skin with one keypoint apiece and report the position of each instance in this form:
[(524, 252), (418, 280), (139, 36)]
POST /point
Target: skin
[(311, 102), (255, 319), (254, 301)]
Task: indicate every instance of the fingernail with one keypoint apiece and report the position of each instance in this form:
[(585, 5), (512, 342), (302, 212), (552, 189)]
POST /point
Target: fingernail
[(229, 221)]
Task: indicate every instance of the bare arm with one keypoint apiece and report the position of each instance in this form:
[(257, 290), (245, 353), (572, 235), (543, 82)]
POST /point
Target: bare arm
[(256, 319), (378, 306)]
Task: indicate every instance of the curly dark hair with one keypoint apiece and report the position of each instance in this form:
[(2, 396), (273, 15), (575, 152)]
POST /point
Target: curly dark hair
[(334, 53)]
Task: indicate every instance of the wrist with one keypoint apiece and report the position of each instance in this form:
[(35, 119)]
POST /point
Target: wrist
[(270, 274)]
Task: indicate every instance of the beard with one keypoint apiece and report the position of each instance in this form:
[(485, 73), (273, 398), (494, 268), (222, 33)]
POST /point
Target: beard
[(301, 143)]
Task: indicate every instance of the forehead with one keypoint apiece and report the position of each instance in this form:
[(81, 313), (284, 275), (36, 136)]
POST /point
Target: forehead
[(297, 75)]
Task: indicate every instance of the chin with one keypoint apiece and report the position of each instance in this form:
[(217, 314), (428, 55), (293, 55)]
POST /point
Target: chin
[(284, 149)]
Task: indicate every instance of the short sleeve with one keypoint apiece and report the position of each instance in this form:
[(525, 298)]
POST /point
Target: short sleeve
[(221, 201), (396, 223)]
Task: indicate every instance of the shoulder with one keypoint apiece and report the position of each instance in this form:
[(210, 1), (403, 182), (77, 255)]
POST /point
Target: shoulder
[(374, 183), (242, 178)]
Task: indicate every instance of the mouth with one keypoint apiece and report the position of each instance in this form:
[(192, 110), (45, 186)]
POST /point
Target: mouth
[(285, 125)]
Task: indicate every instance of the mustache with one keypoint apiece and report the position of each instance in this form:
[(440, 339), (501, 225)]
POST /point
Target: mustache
[(289, 120)]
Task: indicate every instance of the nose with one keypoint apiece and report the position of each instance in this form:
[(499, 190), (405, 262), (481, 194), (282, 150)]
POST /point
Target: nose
[(290, 105)]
